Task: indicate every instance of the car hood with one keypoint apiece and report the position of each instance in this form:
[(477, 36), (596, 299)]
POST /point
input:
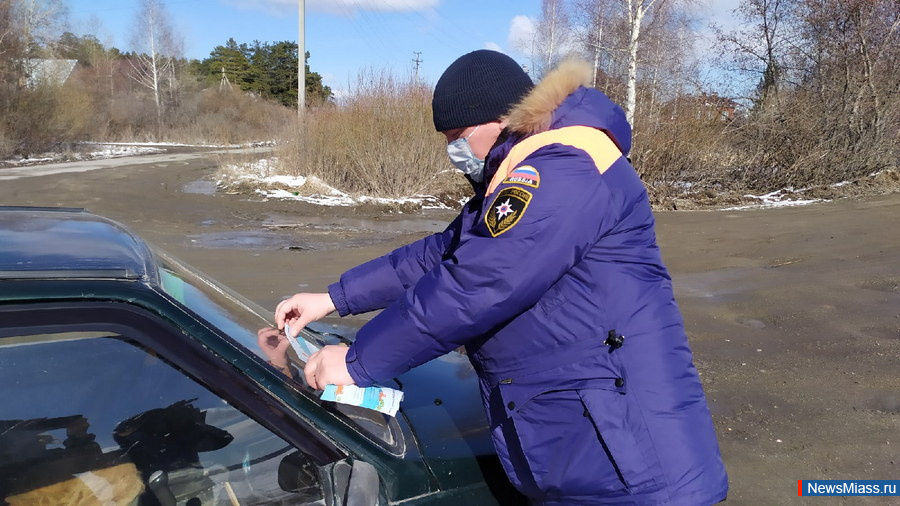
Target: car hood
[(442, 402), (442, 405)]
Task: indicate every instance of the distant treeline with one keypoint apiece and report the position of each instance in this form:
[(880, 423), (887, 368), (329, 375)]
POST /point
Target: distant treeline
[(267, 69), (239, 93)]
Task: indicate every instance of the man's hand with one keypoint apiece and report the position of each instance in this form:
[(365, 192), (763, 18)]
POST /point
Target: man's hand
[(328, 366), (301, 309)]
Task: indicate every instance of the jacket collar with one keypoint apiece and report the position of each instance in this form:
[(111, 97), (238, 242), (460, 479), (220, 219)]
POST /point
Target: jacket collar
[(564, 98)]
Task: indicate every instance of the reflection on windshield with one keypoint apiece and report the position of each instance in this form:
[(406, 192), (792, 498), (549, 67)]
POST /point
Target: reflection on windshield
[(243, 321), (220, 308)]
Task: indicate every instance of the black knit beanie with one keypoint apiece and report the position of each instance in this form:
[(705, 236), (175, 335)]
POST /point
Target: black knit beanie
[(479, 87)]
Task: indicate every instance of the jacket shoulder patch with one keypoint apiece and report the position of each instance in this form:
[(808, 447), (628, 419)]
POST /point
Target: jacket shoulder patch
[(507, 209), (524, 175)]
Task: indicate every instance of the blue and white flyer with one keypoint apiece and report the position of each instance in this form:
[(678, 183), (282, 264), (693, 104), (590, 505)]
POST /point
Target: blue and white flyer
[(382, 399)]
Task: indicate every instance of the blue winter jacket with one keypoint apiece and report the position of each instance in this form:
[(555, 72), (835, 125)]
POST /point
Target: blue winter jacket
[(552, 280)]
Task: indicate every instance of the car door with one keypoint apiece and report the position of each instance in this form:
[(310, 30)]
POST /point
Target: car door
[(109, 402)]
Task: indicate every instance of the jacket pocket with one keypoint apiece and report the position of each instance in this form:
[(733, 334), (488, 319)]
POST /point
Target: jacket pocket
[(625, 439), (548, 443)]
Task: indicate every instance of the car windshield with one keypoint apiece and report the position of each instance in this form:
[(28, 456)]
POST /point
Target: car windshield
[(241, 319)]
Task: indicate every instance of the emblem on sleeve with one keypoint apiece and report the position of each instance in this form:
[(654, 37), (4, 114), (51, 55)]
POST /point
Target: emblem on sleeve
[(526, 175), (507, 209)]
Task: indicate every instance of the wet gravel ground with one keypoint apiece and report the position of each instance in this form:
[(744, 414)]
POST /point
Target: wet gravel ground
[(794, 314)]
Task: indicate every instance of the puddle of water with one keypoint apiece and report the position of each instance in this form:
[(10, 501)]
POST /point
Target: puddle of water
[(718, 284), (200, 187), (752, 323), (380, 225), (887, 284), (278, 240), (283, 231), (747, 403), (888, 402), (239, 240)]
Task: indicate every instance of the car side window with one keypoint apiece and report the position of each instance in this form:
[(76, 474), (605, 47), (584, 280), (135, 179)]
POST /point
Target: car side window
[(87, 414)]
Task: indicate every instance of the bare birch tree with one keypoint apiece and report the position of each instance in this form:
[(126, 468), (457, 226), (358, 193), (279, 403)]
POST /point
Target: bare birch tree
[(27, 28), (156, 46), (553, 36), (615, 32), (6, 26), (38, 22), (595, 24), (636, 11), (762, 45)]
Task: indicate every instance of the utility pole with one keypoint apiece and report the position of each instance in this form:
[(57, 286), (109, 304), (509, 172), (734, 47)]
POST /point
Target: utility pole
[(417, 61), (301, 59), (224, 83)]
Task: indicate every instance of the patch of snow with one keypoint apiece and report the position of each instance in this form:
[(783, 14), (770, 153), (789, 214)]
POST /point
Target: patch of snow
[(44, 158), (106, 150), (182, 145), (292, 181), (318, 199), (311, 189), (111, 151), (778, 198), (116, 151), (170, 144)]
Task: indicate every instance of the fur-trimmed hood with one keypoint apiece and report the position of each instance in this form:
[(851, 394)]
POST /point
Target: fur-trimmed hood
[(564, 98)]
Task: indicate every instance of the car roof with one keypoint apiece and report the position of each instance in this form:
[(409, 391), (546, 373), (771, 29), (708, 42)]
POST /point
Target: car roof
[(45, 242)]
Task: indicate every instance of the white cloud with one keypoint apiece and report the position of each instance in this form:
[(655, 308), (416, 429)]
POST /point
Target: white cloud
[(720, 13), (351, 6), (493, 46), (521, 34), (345, 7)]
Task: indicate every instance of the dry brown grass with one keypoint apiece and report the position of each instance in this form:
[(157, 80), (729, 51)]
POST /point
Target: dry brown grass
[(694, 160), (229, 117), (381, 142)]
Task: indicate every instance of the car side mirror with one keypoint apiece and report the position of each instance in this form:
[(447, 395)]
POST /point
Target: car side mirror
[(298, 474), (355, 485)]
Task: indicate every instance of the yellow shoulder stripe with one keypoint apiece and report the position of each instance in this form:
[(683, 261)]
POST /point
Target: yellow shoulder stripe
[(595, 143)]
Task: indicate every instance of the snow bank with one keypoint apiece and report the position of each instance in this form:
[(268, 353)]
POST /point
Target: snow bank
[(778, 198), (309, 189)]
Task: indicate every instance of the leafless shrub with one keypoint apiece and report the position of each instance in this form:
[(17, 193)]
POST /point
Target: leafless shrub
[(228, 117), (825, 107), (686, 148), (45, 118), (380, 142)]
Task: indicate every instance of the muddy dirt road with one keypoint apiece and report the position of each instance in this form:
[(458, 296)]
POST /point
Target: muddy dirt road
[(794, 313)]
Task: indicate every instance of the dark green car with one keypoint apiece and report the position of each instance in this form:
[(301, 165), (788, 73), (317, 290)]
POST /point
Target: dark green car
[(130, 378)]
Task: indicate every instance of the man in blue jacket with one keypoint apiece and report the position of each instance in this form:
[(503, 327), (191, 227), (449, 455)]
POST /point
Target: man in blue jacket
[(552, 280)]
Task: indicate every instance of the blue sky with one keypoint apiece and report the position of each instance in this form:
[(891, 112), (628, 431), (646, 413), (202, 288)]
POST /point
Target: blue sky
[(342, 36)]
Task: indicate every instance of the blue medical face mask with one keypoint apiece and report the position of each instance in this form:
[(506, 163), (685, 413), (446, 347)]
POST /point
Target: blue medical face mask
[(462, 157)]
